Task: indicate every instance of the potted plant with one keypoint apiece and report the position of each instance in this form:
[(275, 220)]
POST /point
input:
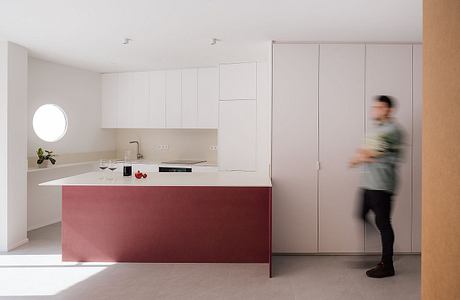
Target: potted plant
[(45, 156)]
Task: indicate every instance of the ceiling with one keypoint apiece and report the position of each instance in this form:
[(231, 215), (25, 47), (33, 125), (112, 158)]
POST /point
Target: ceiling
[(176, 33)]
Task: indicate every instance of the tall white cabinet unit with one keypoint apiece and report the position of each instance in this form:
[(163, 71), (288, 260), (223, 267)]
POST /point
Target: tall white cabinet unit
[(322, 95), (389, 72), (238, 81), (341, 130), (237, 134), (295, 148)]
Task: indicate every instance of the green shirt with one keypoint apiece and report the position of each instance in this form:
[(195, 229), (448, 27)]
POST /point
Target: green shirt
[(381, 174)]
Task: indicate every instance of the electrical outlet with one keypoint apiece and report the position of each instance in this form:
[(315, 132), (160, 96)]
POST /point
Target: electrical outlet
[(163, 147), (213, 148)]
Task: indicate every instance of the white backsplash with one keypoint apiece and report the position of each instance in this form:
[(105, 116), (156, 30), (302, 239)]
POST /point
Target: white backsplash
[(168, 144)]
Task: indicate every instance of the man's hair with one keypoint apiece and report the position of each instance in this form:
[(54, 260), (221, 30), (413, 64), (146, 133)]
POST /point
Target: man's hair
[(385, 99)]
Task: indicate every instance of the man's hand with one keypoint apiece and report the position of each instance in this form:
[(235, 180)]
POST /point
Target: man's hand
[(369, 154), (363, 156)]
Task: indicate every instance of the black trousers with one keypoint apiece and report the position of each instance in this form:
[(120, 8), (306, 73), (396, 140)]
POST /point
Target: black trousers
[(380, 203)]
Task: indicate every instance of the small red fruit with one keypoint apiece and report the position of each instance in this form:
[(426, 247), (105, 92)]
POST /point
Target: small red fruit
[(144, 175), (138, 175)]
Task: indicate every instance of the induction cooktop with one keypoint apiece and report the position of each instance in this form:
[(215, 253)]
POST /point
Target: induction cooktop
[(184, 162)]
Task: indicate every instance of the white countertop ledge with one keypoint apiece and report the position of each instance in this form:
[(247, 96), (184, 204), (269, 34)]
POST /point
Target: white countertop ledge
[(222, 179)]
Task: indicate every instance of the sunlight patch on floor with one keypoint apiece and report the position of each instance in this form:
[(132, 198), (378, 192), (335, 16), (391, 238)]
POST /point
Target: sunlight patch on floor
[(41, 275)]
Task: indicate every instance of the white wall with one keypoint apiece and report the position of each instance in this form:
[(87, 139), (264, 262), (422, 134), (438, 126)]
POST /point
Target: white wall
[(13, 145), (78, 93)]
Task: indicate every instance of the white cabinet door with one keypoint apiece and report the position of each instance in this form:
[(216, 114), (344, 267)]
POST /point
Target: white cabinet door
[(157, 99), (139, 100), (237, 135), (238, 81), (417, 90), (295, 147), (389, 72), (341, 127), (189, 98), (208, 96), (109, 100), (173, 99), (125, 107), (133, 100)]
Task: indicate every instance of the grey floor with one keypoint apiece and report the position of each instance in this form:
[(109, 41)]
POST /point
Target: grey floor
[(34, 271)]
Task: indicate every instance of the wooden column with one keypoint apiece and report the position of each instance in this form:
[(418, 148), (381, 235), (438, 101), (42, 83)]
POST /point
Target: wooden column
[(441, 151)]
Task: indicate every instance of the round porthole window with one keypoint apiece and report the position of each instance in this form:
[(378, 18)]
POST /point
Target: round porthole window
[(50, 122)]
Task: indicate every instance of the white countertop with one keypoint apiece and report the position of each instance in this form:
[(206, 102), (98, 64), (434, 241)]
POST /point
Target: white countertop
[(58, 166), (232, 179), (133, 162)]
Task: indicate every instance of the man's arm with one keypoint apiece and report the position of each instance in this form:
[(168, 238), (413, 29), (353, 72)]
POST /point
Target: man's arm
[(363, 156)]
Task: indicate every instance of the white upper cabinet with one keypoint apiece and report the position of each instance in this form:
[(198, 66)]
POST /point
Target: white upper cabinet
[(133, 100), (157, 99), (124, 101), (161, 99), (208, 96), (140, 100), (173, 99), (237, 136), (189, 98), (109, 100), (238, 81)]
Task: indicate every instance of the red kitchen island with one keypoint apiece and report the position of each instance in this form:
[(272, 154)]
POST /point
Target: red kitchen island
[(220, 217)]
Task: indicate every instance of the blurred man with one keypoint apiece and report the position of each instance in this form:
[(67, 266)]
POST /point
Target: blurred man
[(380, 157)]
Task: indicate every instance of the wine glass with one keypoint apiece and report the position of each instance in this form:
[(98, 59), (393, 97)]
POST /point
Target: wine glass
[(103, 164), (112, 167)]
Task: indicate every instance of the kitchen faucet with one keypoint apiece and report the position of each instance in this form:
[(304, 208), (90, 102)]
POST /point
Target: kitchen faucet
[(139, 155)]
